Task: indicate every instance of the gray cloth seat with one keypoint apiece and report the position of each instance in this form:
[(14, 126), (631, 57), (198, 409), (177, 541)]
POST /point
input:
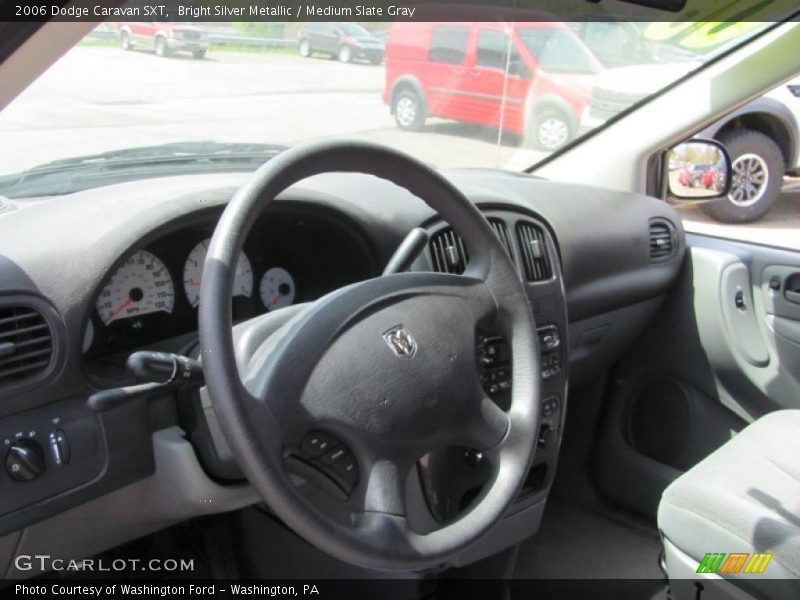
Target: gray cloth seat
[(745, 497)]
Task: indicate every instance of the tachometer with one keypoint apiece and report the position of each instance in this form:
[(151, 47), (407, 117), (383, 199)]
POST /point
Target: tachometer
[(277, 288), (193, 272), (140, 286)]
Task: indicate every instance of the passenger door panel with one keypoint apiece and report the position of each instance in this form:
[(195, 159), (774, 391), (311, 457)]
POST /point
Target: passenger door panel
[(747, 321), (723, 351)]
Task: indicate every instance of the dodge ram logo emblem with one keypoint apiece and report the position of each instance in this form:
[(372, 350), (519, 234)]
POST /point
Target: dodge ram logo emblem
[(400, 342)]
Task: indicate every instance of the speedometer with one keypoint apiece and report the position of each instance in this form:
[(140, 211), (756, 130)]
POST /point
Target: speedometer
[(193, 271), (140, 286)]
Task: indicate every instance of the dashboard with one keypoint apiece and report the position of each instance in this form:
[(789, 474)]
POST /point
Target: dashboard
[(120, 269)]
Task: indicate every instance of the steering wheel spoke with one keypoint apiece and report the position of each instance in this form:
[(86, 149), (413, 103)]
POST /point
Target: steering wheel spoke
[(483, 426), (393, 491), (384, 488), (473, 292)]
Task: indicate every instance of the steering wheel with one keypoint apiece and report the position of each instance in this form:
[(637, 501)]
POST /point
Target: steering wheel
[(378, 373)]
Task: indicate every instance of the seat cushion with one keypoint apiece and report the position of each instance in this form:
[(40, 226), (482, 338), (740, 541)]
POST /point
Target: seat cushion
[(745, 497)]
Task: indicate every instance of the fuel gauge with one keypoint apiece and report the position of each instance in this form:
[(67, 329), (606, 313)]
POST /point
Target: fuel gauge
[(277, 288)]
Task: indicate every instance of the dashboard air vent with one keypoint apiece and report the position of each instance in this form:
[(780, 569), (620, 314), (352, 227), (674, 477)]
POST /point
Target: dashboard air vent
[(26, 343), (451, 256), (662, 240), (533, 250), (448, 251)]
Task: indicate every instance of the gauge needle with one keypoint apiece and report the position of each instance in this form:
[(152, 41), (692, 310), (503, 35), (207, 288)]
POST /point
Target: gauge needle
[(275, 298), (118, 310)]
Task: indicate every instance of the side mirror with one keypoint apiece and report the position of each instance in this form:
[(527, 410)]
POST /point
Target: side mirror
[(698, 170)]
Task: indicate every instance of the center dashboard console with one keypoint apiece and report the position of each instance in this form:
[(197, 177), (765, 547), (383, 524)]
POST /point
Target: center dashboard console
[(461, 472)]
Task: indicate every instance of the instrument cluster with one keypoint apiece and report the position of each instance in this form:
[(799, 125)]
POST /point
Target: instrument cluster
[(290, 256)]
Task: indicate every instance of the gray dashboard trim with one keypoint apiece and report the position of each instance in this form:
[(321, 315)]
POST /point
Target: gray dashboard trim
[(178, 490)]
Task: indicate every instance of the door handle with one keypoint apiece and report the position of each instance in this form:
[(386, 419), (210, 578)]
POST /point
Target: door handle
[(791, 289)]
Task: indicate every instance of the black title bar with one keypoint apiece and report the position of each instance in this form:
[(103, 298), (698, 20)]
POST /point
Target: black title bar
[(394, 10)]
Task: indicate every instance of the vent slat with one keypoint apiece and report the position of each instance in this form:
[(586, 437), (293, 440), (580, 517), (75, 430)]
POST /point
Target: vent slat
[(33, 341), (28, 370), (28, 343), (437, 264), (501, 232), (6, 321), (22, 331), (533, 250), (21, 357)]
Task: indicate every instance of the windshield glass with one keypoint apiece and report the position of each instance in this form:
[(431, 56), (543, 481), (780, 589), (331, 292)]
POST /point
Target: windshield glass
[(135, 100)]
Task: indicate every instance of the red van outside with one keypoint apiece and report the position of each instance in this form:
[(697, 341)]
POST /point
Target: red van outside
[(458, 71)]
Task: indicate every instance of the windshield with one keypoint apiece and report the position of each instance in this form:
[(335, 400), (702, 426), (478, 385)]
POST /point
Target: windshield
[(135, 100)]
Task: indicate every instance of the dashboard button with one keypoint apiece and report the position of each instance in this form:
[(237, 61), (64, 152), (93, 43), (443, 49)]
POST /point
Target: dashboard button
[(317, 443), (59, 447), (345, 471), (545, 435), (25, 460), (334, 456)]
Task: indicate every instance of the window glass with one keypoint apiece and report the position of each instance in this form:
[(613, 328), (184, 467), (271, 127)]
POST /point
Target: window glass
[(352, 30), (493, 48), (449, 44), (762, 206), (607, 40), (494, 52), (558, 50), (117, 98)]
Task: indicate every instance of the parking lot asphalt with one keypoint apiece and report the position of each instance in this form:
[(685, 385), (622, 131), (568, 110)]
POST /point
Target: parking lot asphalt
[(103, 98)]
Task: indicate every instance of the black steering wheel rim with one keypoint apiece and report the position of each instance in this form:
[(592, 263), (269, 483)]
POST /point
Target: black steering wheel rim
[(252, 416)]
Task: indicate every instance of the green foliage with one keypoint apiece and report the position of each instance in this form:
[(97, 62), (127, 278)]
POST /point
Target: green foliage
[(288, 30), (270, 30), (91, 42)]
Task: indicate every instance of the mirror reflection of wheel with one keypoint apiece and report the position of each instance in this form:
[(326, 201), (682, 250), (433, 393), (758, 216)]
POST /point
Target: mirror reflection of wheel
[(199, 54), (345, 54), (409, 110), (551, 130), (161, 47), (757, 177), (125, 38), (305, 48)]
